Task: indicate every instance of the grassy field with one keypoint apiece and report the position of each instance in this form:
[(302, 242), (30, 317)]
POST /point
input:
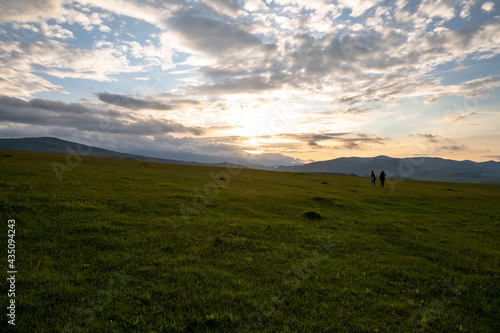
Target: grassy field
[(112, 245)]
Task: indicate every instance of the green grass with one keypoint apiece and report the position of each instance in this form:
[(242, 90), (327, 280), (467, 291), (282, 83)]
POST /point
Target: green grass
[(133, 246)]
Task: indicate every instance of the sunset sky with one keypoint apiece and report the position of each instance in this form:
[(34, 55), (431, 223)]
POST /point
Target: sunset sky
[(265, 82)]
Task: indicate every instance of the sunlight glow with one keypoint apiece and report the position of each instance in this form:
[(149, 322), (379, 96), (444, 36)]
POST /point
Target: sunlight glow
[(255, 122)]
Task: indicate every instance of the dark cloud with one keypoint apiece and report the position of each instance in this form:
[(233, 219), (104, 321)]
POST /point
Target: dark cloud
[(356, 110), (43, 104), (234, 77), (428, 137), (131, 102), (249, 84), (245, 62), (454, 148), (345, 140), (439, 143), (55, 113), (214, 36)]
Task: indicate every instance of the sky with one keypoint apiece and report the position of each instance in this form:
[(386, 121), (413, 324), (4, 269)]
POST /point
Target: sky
[(270, 82)]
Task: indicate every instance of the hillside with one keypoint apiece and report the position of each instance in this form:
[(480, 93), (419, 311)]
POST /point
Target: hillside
[(121, 245), (58, 146)]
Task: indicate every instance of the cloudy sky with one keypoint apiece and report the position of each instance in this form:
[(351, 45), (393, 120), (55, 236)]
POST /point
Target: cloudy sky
[(259, 81)]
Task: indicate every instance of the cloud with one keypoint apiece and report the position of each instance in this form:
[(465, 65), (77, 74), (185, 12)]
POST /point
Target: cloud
[(460, 117), (244, 85), (255, 5), (313, 139), (459, 68), (64, 60), (226, 7), (131, 103), (29, 10), (446, 9), (206, 150), (153, 12), (428, 137), (41, 112), (454, 148), (21, 63), (376, 62), (337, 140), (152, 55), (352, 110), (436, 143), (32, 50), (210, 150), (268, 52), (387, 91), (18, 82), (438, 8), (359, 7), (467, 5), (88, 21), (488, 6), (286, 48), (478, 87), (56, 31), (215, 37)]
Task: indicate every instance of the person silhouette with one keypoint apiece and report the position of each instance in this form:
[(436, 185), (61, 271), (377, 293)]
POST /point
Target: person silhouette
[(372, 178), (382, 178)]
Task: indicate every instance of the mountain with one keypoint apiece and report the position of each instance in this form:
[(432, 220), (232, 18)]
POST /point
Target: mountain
[(422, 168), (58, 146)]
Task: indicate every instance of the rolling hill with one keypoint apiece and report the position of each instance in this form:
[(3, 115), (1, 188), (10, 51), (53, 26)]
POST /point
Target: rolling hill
[(58, 146), (422, 168), (128, 246)]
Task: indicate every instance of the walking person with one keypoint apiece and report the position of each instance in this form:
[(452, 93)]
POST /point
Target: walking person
[(372, 178), (382, 178)]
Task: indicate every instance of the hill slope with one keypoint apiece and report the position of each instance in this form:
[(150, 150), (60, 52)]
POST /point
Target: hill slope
[(58, 146), (126, 246)]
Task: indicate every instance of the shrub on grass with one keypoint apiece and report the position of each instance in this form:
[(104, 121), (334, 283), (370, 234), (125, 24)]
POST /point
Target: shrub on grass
[(311, 216)]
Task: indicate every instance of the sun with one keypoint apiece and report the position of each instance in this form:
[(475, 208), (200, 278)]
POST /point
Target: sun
[(257, 122), (253, 142)]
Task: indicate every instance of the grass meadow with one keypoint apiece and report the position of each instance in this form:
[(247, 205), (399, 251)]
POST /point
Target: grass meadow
[(105, 245)]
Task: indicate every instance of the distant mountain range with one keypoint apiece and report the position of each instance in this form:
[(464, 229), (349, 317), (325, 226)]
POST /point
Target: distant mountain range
[(423, 168), (58, 146)]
